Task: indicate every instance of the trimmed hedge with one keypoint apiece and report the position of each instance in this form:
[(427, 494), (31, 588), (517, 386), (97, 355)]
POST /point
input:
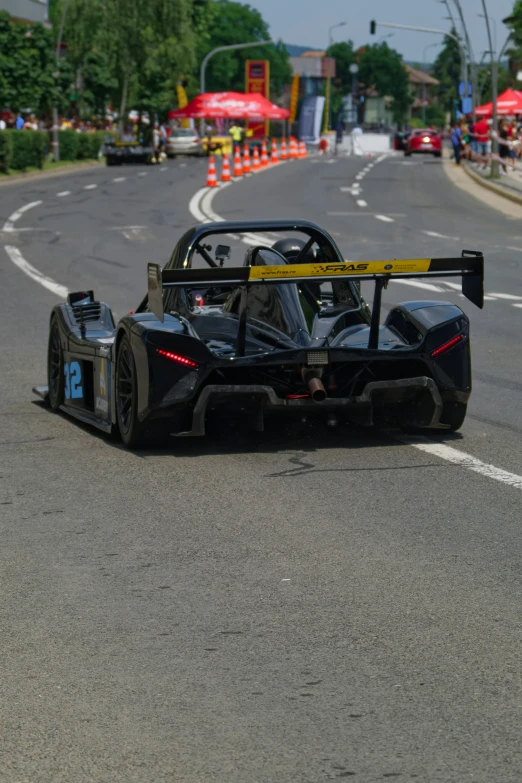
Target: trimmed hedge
[(21, 150), (28, 149), (6, 151)]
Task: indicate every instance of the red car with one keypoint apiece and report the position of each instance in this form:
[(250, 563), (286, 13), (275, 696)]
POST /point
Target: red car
[(425, 141)]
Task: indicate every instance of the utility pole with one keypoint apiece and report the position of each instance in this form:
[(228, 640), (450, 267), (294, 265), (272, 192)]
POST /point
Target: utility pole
[(472, 64), (56, 138), (494, 95), (329, 79)]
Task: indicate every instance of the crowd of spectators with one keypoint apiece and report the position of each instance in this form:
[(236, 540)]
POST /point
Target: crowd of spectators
[(473, 142)]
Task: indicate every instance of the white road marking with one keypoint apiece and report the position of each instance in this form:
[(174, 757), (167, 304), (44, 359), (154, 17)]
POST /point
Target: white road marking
[(194, 205), (182, 165), (8, 225), (359, 176), (440, 236), (418, 284), (488, 298), (457, 457), (143, 173), (361, 202), (19, 261), (165, 168), (511, 297), (119, 179), (63, 193), (455, 286), (510, 247), (384, 218), (89, 187), (515, 305)]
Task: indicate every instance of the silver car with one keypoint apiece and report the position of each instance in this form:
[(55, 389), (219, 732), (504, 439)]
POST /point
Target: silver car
[(183, 141)]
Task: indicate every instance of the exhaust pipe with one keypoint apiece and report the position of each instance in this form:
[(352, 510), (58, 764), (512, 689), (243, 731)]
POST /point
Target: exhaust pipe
[(315, 385)]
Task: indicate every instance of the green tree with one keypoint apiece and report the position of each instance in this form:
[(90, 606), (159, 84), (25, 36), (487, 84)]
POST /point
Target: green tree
[(235, 23), (381, 68), (446, 69), (26, 66)]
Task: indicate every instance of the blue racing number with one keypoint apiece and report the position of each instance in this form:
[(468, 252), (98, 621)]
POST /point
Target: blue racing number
[(73, 381)]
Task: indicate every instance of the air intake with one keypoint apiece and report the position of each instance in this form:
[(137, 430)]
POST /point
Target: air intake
[(87, 312)]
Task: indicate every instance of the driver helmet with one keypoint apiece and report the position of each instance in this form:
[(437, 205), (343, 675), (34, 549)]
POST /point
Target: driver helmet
[(290, 249)]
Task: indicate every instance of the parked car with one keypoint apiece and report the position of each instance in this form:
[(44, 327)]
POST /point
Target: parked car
[(425, 141), (183, 141)]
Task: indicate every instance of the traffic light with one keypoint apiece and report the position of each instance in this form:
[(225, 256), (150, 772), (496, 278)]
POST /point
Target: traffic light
[(373, 25)]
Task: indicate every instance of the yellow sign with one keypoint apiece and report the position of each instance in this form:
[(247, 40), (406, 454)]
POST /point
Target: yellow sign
[(356, 268), (293, 98), (182, 102)]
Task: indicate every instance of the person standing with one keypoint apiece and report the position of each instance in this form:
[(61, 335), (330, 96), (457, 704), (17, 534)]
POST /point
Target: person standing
[(456, 141), (19, 124), (482, 136)]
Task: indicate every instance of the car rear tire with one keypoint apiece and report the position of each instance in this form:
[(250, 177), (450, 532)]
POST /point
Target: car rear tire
[(407, 154), (134, 433), (55, 375), (438, 154)]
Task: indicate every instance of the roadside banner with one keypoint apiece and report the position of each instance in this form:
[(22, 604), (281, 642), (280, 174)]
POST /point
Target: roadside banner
[(310, 118), (294, 95), (182, 102)]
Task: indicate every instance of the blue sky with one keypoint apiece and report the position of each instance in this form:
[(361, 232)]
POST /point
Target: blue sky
[(306, 22)]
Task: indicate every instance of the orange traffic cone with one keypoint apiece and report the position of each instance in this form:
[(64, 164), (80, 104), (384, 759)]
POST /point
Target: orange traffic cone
[(238, 166), (284, 151), (274, 157), (256, 166), (211, 174), (302, 149), (293, 148), (225, 171), (264, 156), (247, 168)]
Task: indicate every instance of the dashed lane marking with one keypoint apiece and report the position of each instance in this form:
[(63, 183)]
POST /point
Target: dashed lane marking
[(142, 174), (19, 261), (119, 179), (63, 193), (419, 284), (440, 236), (456, 457), (384, 218), (361, 202), (515, 305), (89, 187), (510, 297), (164, 168)]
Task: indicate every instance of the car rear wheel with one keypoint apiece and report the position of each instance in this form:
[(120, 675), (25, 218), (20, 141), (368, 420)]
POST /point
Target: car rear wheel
[(134, 433), (55, 376), (407, 154), (438, 154)]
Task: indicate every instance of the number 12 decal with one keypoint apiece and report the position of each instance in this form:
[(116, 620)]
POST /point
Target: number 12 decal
[(73, 381)]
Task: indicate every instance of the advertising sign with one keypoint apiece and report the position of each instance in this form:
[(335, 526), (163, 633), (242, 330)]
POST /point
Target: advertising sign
[(310, 118), (257, 79)]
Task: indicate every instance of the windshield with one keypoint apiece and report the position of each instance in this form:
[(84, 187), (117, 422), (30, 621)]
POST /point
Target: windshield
[(183, 132)]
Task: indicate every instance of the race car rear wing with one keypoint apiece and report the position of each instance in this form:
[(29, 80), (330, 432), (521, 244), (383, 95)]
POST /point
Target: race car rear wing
[(470, 266)]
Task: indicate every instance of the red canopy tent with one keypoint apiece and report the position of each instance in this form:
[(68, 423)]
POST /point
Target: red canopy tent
[(230, 105), (510, 102)]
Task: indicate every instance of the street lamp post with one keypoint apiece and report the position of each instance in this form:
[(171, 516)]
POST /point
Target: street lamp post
[(463, 62), (472, 63), (56, 138), (211, 54), (429, 46), (328, 78)]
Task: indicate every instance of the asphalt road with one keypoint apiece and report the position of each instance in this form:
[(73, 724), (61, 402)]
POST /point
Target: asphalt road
[(300, 607)]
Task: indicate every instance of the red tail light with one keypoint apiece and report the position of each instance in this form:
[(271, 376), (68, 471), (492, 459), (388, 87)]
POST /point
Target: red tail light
[(446, 346), (175, 357), (297, 396)]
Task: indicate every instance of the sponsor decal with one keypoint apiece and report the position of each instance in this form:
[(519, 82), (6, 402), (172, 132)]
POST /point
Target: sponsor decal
[(361, 268), (102, 404), (103, 378)]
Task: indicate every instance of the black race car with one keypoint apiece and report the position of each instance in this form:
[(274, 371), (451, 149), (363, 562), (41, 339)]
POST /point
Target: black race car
[(285, 332), (118, 152)]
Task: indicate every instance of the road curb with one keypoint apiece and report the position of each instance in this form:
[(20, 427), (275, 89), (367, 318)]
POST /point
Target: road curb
[(16, 179), (498, 189)]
